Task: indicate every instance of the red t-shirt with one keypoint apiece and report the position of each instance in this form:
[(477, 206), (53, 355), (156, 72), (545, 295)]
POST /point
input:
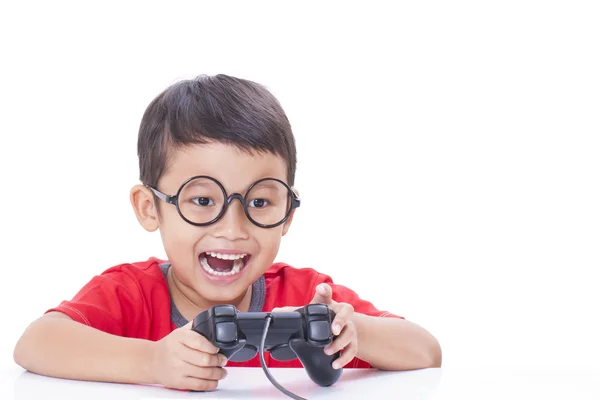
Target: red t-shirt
[(132, 300)]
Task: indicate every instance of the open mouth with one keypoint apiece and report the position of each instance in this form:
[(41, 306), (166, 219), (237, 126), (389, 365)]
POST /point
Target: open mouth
[(219, 264)]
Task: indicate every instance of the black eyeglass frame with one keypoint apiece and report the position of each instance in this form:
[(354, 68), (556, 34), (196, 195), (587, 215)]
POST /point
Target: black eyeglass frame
[(228, 199)]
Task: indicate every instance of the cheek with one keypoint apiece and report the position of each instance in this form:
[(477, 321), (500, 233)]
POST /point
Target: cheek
[(178, 237), (269, 241)]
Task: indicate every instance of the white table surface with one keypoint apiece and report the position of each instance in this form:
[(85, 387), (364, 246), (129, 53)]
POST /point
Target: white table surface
[(244, 383)]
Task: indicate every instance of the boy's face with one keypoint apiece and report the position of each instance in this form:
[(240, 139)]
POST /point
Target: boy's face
[(190, 248)]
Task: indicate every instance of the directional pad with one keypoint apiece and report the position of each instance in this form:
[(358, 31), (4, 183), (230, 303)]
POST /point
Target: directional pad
[(318, 309), (226, 332), (319, 331), (224, 311)]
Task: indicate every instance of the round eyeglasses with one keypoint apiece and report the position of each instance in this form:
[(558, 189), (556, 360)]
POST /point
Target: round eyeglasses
[(202, 201)]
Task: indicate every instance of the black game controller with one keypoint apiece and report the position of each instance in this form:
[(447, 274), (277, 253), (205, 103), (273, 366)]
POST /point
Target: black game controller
[(298, 334)]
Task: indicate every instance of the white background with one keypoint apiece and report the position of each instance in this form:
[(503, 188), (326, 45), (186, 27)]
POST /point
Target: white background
[(448, 155)]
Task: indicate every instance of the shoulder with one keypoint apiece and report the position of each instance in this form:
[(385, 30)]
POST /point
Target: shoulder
[(286, 285), (129, 299), (289, 286), (142, 274), (282, 274)]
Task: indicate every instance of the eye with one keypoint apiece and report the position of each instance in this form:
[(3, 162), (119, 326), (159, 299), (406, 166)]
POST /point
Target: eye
[(258, 203), (203, 201)]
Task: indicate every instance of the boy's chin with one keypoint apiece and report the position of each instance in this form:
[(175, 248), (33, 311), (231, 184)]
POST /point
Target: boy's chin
[(225, 289), (224, 295)]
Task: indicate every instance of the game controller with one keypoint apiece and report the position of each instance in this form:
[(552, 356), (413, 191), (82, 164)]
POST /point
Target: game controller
[(301, 334)]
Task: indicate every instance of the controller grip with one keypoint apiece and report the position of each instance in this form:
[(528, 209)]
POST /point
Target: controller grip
[(206, 329), (316, 363)]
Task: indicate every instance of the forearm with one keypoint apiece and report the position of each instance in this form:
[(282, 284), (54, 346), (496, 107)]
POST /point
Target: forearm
[(60, 347), (395, 344)]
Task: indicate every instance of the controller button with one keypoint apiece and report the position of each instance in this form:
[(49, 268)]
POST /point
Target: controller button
[(226, 332), (318, 309), (224, 311), (319, 331)]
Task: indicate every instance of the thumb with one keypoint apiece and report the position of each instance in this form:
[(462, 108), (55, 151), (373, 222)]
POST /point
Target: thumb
[(323, 294)]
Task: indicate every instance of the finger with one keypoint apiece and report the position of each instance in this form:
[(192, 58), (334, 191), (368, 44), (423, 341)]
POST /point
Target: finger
[(343, 340), (196, 341), (202, 359), (348, 355), (323, 294), (343, 314), (207, 373)]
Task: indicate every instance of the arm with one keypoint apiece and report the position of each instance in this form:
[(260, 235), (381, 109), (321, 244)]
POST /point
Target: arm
[(395, 344), (383, 342), (57, 346)]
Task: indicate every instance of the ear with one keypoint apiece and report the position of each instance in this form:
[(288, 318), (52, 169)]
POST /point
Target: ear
[(286, 224), (146, 213)]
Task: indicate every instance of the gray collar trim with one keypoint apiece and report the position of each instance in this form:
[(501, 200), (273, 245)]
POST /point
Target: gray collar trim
[(256, 303)]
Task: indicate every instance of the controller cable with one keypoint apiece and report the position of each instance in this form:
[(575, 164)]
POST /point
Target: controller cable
[(261, 352)]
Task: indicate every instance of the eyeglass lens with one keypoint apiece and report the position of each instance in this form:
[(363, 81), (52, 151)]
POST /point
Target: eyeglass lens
[(201, 200)]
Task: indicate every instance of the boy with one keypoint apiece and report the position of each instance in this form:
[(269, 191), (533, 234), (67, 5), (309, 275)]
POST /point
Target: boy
[(217, 162)]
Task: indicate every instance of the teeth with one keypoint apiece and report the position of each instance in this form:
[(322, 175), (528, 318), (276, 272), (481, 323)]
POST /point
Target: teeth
[(226, 256), (237, 266)]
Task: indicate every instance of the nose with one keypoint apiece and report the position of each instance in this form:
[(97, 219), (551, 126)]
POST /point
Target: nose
[(233, 225)]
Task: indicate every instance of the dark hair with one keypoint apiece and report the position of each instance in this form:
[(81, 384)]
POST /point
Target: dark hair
[(217, 108)]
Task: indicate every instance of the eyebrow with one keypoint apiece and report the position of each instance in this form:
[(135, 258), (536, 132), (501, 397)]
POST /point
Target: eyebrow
[(202, 183), (206, 183), (268, 185)]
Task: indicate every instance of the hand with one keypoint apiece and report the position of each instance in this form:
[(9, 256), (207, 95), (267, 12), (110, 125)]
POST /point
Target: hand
[(342, 325), (185, 359)]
